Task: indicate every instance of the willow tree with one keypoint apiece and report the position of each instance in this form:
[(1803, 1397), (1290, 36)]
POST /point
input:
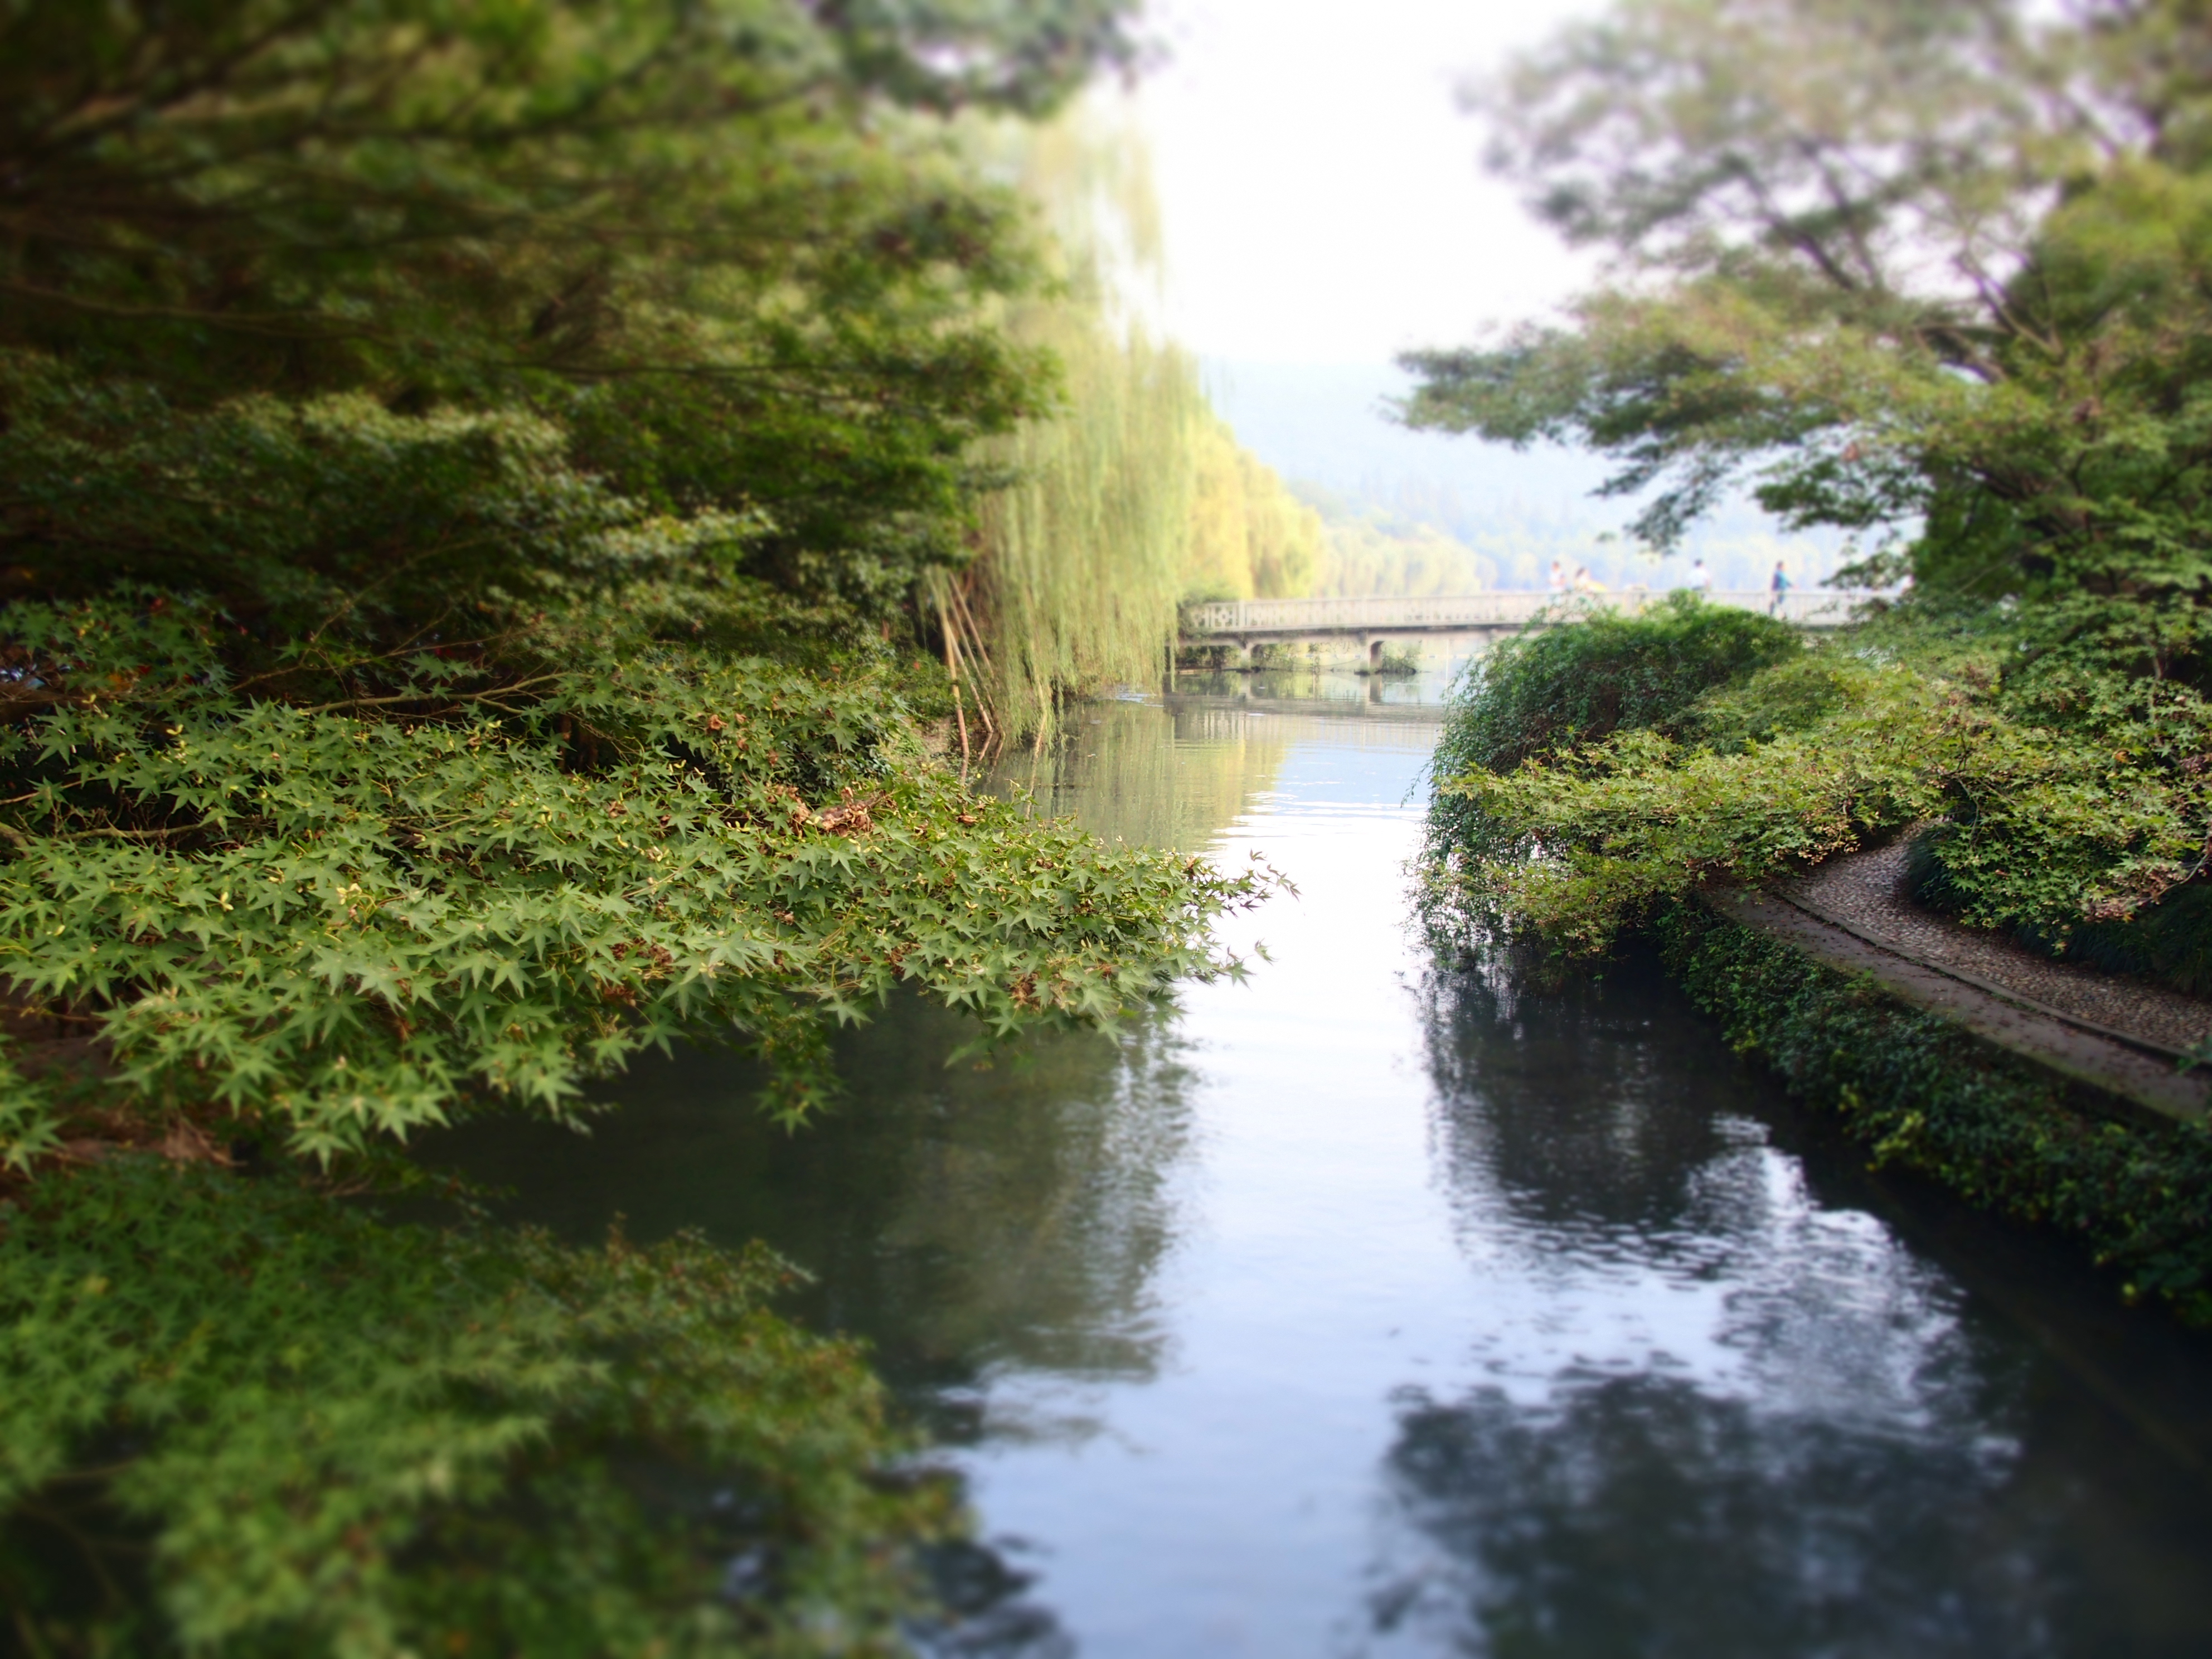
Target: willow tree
[(1129, 494), (1250, 537), (1078, 553)]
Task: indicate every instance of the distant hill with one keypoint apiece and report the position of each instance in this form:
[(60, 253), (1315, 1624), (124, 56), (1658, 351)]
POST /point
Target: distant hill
[(1393, 499)]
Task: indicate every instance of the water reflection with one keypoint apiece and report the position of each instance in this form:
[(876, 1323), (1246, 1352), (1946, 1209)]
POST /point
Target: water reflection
[(1133, 772), (1732, 1413), (1315, 687), (1600, 1150), (988, 1612), (1643, 1515), (962, 1220)]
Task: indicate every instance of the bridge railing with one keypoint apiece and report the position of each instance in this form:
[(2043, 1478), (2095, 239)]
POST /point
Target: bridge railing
[(1810, 607)]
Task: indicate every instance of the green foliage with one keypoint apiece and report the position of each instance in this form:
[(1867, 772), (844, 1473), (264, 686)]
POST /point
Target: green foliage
[(2116, 812), (1250, 537), (2170, 941), (1083, 556), (345, 919), (1906, 260), (1930, 272), (1084, 551), (1554, 688), (265, 1424), (1925, 1095), (1785, 172), (709, 240), (2070, 789), (329, 517)]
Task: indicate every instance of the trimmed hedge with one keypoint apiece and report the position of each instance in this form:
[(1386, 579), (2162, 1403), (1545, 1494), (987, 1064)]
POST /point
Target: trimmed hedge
[(1924, 1093)]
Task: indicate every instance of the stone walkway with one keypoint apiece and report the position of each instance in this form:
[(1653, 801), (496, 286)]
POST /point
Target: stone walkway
[(1865, 894), (2119, 1036)]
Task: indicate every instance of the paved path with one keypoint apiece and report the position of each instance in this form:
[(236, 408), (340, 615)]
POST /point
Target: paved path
[(2116, 1034), (1865, 894)]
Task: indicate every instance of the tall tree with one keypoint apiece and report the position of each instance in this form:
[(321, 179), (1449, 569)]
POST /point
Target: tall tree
[(719, 241), (1892, 262)]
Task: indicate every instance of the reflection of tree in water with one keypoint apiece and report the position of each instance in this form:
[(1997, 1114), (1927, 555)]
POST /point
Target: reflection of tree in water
[(960, 1219), (1602, 1138), (1819, 1447), (963, 1221), (1636, 1516), (1597, 1108), (1133, 771), (1814, 1472), (1013, 1216), (987, 1613)]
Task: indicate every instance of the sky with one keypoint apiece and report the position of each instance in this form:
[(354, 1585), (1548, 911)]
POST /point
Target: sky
[(1323, 194), (1324, 208)]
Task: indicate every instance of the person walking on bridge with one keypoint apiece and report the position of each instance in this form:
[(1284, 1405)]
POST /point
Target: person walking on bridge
[(1777, 585)]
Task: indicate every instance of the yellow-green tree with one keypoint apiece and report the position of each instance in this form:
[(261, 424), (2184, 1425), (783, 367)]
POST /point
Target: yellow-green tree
[(1251, 537), (1132, 495)]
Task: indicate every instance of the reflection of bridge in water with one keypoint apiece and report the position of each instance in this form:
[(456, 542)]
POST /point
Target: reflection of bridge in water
[(1371, 717), (1375, 623)]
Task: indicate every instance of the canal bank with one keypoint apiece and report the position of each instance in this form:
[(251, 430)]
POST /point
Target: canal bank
[(2011, 1109), (1374, 1306)]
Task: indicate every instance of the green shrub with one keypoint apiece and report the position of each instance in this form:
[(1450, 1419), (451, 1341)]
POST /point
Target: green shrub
[(2169, 942), (237, 1417), (1578, 681), (1553, 688), (2068, 787), (337, 924)]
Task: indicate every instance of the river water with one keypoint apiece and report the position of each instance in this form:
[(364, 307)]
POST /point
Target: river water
[(1372, 1307)]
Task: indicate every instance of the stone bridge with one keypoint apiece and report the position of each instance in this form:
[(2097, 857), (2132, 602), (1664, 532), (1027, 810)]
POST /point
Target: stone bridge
[(1375, 623)]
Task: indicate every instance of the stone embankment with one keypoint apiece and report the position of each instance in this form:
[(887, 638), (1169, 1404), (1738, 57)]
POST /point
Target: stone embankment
[(2118, 1037)]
